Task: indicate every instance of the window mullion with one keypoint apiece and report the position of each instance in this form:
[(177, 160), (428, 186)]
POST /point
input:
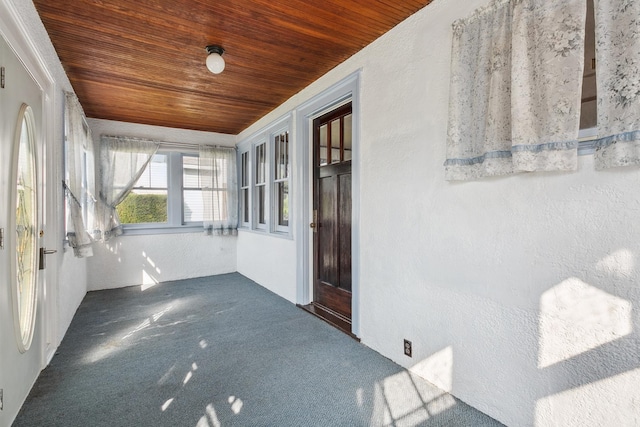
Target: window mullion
[(174, 196)]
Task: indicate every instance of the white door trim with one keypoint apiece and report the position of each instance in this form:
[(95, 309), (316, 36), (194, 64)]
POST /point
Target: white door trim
[(343, 91)]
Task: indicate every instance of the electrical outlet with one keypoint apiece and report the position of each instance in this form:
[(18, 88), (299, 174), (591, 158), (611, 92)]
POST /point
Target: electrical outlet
[(407, 348)]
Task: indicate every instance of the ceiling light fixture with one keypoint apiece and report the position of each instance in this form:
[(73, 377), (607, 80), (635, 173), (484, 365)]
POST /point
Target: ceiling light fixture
[(215, 62)]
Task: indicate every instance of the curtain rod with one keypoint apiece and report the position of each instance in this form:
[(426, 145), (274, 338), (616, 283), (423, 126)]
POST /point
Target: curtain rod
[(172, 145)]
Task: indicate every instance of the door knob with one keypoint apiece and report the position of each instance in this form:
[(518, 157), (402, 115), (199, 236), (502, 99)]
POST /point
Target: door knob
[(313, 225)]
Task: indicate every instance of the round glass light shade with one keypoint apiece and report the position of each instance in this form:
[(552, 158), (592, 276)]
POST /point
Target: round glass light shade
[(215, 63)]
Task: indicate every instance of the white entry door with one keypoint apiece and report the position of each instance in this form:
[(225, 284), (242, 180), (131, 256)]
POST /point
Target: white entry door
[(23, 336)]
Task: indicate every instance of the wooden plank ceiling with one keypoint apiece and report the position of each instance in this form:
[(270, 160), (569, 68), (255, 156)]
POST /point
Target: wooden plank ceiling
[(143, 61)]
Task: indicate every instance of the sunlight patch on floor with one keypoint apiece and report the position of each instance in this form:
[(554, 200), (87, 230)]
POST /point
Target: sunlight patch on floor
[(236, 404), (576, 317), (400, 400), (166, 404), (147, 322)]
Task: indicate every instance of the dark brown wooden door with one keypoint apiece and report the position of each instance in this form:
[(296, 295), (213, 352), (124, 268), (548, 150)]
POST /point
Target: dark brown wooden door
[(332, 213)]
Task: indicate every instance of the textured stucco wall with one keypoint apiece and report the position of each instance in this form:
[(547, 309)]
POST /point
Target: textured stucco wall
[(146, 260), (269, 261), (520, 293)]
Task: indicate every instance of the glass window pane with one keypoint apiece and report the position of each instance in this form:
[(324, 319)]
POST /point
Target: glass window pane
[(143, 206), (283, 203), (245, 205), (335, 141), (348, 137), (286, 155), (191, 172), (26, 244), (322, 159), (260, 164), (155, 174), (192, 208), (281, 156), (244, 166), (261, 205), (278, 157)]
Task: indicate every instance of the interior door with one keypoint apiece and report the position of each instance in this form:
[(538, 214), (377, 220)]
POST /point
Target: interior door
[(332, 143)]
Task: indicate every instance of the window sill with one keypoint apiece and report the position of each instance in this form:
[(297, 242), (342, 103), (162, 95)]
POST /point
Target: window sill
[(586, 141), (165, 229), (277, 234)]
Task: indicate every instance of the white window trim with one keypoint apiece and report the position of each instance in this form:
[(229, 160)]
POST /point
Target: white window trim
[(586, 141), (266, 135), (241, 208), (175, 220), (274, 183), (253, 188)]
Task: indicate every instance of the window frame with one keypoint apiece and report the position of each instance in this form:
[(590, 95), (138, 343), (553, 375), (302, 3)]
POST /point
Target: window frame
[(262, 185), (275, 206), (588, 136), (247, 150), (175, 200), (244, 203)]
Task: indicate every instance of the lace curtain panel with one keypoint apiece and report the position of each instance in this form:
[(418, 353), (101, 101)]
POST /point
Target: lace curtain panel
[(122, 161), (505, 114), (618, 80), (219, 190), (78, 161)]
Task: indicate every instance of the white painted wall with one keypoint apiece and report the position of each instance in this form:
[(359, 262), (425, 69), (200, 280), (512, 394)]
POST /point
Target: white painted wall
[(269, 261), (520, 293), (147, 259)]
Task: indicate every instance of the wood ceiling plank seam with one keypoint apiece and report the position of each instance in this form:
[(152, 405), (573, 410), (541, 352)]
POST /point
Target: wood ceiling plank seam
[(274, 49), (59, 33), (127, 85)]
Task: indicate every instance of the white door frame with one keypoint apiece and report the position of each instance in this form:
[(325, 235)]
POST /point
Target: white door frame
[(346, 90), (16, 35)]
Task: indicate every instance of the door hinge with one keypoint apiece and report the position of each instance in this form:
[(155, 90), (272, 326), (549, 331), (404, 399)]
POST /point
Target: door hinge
[(1, 238), (314, 224), (2, 77)]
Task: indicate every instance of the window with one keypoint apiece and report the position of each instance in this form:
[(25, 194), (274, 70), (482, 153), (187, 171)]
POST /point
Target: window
[(168, 194), (264, 167), (192, 206), (261, 184), (281, 179), (244, 189), (589, 112), (147, 201)]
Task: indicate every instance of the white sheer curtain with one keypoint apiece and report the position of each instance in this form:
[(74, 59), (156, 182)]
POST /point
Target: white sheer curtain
[(618, 81), (219, 190), (515, 88), (78, 162), (122, 161)]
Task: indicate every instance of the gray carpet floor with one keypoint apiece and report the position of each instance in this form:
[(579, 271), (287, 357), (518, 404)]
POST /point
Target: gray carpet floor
[(221, 351)]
